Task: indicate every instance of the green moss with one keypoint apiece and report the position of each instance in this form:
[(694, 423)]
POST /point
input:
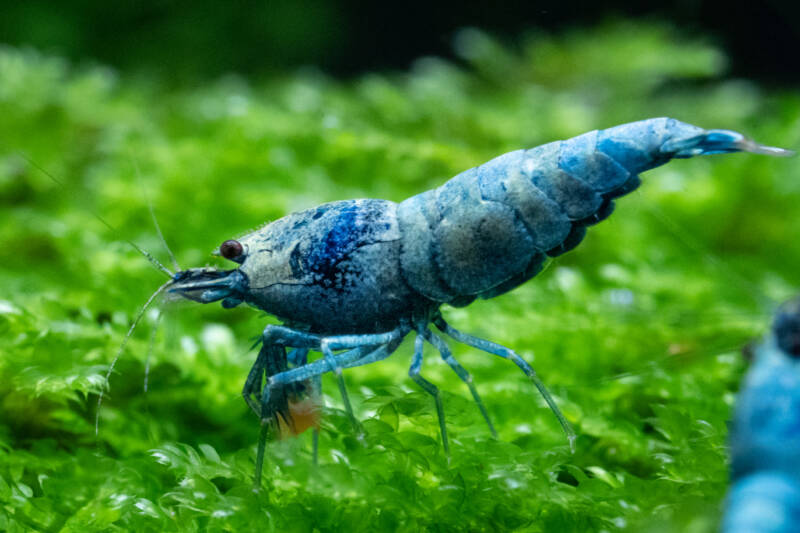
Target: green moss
[(637, 332)]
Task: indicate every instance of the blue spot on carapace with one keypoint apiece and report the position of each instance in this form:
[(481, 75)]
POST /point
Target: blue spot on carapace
[(340, 240)]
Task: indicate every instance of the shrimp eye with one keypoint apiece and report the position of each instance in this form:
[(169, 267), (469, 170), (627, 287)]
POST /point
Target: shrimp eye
[(787, 328), (231, 249)]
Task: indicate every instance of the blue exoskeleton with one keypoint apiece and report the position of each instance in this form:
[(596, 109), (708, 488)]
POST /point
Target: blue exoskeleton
[(351, 279), (765, 436)]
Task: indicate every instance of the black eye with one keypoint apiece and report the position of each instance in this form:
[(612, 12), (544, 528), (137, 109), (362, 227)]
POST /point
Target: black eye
[(787, 327), (231, 249)]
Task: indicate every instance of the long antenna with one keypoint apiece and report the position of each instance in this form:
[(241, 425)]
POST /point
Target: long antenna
[(121, 348), (153, 216), (155, 262)]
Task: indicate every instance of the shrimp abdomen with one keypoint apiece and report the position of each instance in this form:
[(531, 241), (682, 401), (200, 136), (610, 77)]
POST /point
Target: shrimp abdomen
[(490, 227)]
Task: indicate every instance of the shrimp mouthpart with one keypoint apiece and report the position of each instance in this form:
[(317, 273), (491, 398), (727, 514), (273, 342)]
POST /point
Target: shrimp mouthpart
[(206, 285)]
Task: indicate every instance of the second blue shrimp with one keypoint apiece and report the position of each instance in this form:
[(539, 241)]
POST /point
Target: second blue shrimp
[(765, 436)]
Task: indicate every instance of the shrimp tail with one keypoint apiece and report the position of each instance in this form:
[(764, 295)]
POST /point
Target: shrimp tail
[(719, 142)]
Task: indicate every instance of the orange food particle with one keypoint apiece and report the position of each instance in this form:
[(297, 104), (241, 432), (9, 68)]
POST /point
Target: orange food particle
[(305, 414)]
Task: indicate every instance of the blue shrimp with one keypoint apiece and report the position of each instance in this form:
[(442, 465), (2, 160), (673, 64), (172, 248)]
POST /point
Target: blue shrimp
[(351, 279), (765, 436)]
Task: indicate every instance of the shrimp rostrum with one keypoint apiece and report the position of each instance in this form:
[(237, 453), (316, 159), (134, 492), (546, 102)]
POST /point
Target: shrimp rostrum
[(351, 279)]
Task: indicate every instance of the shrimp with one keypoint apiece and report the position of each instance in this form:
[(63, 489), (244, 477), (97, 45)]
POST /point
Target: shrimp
[(765, 436), (352, 278)]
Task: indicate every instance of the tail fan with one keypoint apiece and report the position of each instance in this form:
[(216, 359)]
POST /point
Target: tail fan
[(719, 142)]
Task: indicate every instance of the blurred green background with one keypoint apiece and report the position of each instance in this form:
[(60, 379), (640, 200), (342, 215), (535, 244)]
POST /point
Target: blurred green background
[(637, 332)]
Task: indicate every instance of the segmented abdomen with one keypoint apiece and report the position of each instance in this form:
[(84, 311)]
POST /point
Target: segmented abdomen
[(489, 229)]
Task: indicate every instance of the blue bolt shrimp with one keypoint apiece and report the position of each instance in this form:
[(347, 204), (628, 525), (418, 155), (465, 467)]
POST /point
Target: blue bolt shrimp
[(351, 279), (765, 435)]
